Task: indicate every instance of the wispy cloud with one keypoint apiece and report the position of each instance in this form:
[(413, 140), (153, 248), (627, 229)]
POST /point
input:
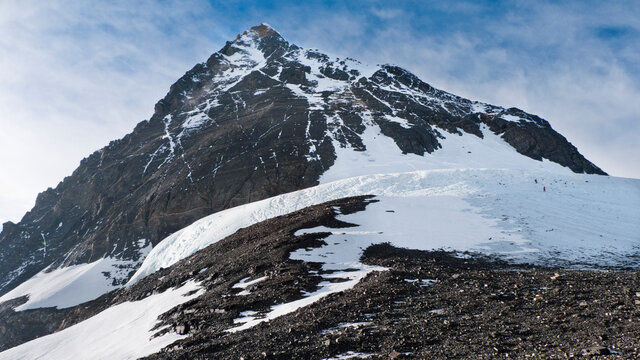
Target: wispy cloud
[(74, 75), (387, 13)]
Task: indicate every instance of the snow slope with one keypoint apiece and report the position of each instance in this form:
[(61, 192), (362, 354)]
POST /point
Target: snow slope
[(579, 221), (250, 319), (69, 286), (473, 195), (464, 151), (485, 177), (120, 332), (585, 219)]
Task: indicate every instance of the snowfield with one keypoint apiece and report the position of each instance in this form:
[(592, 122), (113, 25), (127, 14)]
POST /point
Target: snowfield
[(69, 286), (581, 220), (584, 221), (120, 332), (475, 194), (64, 287)]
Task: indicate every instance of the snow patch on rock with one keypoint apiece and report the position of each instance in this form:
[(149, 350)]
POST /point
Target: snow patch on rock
[(69, 286), (120, 332)]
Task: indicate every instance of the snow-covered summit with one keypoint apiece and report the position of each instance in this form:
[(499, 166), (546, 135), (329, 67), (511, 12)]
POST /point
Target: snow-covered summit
[(258, 32), (405, 108)]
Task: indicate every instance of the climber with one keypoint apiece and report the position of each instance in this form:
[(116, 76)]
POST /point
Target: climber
[(544, 189)]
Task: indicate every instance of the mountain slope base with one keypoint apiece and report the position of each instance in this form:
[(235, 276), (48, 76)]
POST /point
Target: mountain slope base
[(426, 305), (476, 308)]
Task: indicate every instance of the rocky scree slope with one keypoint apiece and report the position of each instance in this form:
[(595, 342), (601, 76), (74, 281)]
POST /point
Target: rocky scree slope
[(425, 305), (260, 117)]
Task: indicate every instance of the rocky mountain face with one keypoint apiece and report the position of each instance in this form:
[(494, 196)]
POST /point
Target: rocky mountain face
[(260, 117)]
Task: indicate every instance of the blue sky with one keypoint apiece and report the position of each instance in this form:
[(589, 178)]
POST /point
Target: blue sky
[(74, 75)]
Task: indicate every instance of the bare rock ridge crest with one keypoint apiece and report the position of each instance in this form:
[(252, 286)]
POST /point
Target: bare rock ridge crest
[(260, 117)]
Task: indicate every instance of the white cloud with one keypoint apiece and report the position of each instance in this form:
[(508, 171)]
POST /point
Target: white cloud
[(387, 13), (75, 75)]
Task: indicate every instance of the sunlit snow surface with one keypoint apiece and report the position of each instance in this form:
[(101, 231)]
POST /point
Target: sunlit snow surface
[(350, 355), (475, 195), (581, 220), (69, 286), (245, 283), (251, 318), (64, 287), (453, 210), (589, 219), (120, 332)]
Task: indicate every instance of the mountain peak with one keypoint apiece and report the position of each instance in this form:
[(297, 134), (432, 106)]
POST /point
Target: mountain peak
[(262, 117), (247, 162), (258, 32)]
